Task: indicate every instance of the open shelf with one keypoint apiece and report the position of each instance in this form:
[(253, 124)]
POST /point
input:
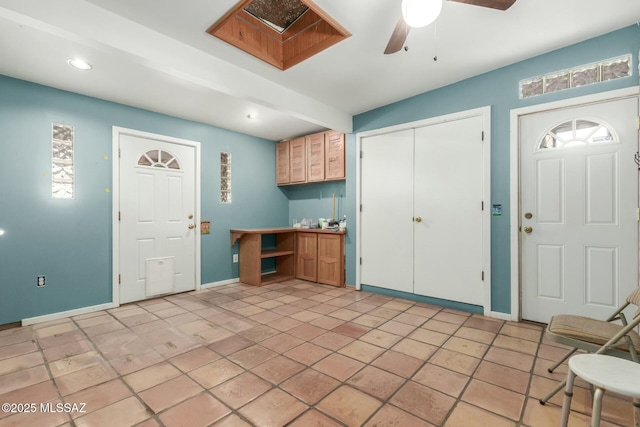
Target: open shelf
[(271, 253)]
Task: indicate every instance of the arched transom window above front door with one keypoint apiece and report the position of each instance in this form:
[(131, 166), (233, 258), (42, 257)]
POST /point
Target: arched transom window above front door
[(159, 159), (577, 133)]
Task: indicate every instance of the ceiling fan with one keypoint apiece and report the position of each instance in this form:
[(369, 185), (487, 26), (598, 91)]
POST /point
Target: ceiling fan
[(419, 13)]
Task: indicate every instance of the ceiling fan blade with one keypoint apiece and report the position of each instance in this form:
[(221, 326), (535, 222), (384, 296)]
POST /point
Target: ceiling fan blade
[(493, 4), (398, 37)]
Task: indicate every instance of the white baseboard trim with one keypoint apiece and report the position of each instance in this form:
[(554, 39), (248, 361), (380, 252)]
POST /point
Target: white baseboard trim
[(69, 313), (220, 283), (501, 316)]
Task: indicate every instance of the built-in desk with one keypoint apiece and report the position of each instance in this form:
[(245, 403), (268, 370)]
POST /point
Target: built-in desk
[(310, 254)]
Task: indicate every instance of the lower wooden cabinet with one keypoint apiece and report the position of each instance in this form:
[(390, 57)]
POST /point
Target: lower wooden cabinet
[(320, 257), (314, 255)]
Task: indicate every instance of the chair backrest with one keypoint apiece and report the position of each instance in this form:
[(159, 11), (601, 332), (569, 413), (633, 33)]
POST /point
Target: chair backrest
[(634, 298)]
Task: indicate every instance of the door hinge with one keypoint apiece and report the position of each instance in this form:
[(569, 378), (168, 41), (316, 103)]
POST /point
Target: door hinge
[(482, 136), (483, 276), (360, 208), (482, 207), (119, 152), (360, 260), (119, 216), (638, 214), (119, 279), (361, 154)]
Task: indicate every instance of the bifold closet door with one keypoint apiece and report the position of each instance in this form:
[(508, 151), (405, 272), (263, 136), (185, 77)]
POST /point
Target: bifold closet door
[(386, 222), (448, 189)]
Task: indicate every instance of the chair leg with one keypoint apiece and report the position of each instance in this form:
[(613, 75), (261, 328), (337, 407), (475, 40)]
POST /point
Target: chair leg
[(566, 403), (597, 407), (545, 399), (559, 362), (636, 412)]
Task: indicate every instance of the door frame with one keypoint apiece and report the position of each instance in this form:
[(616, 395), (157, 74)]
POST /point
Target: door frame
[(485, 113), (117, 132), (514, 179)]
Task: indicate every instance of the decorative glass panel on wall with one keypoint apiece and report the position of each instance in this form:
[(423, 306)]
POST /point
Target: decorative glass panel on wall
[(225, 177), (62, 167), (608, 69)]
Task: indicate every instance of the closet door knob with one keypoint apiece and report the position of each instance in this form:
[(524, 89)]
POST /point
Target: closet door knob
[(418, 219)]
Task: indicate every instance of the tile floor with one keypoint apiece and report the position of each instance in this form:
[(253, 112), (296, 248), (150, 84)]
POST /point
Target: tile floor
[(295, 354)]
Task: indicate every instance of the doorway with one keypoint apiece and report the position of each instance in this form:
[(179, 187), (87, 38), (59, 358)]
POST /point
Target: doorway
[(156, 215), (578, 207)]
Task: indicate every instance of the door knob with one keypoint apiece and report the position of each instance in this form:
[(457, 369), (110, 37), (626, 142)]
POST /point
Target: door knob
[(528, 215), (418, 219), (191, 226), (528, 230)]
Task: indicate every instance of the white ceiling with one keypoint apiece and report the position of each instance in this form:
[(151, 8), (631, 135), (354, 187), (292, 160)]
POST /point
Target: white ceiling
[(155, 54)]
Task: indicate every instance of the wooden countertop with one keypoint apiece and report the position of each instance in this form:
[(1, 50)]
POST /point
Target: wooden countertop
[(236, 233)]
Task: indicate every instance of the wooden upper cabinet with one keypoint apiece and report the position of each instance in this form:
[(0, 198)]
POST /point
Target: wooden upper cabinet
[(334, 155), (298, 162), (315, 157), (312, 158), (283, 169)]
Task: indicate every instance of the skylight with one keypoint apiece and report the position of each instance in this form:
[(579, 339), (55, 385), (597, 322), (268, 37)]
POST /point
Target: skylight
[(282, 33), (279, 15)]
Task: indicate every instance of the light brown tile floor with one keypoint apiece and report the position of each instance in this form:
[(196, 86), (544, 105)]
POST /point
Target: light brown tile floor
[(294, 353)]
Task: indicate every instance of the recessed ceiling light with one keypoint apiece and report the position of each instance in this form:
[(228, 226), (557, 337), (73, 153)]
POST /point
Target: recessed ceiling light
[(251, 116), (79, 64), (1, 232)]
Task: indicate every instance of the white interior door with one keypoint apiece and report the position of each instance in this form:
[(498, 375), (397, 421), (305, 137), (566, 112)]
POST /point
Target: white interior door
[(578, 212), (449, 190), (422, 227), (386, 227), (157, 217)]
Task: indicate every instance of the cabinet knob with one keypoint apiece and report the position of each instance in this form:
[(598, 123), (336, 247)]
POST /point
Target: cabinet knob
[(191, 226), (418, 219)]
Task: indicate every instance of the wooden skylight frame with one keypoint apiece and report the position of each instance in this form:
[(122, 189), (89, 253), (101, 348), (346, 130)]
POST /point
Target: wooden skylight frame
[(313, 32)]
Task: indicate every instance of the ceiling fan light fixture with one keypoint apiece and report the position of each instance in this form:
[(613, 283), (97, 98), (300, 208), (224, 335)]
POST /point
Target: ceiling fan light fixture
[(420, 13)]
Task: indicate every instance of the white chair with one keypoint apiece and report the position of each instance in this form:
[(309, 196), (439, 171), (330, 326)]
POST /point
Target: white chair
[(604, 373)]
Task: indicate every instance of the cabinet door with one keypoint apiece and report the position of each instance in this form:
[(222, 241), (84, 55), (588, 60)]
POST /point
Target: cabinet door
[(331, 259), (334, 154), (298, 160), (283, 175), (306, 248), (315, 157)]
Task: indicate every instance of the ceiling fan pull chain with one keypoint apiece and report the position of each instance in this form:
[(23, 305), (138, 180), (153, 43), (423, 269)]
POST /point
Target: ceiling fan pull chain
[(435, 41)]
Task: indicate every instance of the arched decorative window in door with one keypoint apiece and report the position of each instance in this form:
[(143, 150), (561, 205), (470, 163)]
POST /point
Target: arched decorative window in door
[(159, 159), (577, 133)]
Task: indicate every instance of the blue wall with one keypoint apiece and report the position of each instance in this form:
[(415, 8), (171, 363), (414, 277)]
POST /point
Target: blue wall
[(69, 241), (499, 89)]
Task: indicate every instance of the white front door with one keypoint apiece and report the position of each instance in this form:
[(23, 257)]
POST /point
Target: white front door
[(578, 212), (449, 188), (157, 199)]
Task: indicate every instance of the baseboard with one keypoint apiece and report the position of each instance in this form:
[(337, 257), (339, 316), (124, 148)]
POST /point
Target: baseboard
[(220, 283), (501, 316), (69, 313)]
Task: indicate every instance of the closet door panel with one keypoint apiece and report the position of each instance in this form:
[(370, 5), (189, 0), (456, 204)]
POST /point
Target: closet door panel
[(386, 244), (448, 184)]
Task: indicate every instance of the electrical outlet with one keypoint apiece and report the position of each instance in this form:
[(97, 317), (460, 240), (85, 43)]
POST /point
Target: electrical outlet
[(235, 257), (40, 281)]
